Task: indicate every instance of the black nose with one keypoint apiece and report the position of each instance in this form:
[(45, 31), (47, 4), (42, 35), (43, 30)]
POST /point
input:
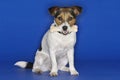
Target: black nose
[(64, 28)]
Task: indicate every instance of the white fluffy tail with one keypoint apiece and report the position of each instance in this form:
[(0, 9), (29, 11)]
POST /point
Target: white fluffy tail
[(24, 64)]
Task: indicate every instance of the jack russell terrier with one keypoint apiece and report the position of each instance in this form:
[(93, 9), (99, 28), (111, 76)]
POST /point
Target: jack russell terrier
[(57, 44)]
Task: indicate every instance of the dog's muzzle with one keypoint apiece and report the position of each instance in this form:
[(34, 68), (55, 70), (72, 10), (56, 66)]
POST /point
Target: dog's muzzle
[(64, 32)]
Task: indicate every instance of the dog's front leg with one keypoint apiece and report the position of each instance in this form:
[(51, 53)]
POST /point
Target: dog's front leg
[(70, 55), (54, 63)]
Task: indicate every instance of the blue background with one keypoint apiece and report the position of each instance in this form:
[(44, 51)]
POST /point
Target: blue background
[(97, 51)]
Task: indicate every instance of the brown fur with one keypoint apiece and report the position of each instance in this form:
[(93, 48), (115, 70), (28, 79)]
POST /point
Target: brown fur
[(65, 14)]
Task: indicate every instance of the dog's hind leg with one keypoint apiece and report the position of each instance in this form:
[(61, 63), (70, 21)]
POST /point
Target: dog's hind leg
[(39, 60)]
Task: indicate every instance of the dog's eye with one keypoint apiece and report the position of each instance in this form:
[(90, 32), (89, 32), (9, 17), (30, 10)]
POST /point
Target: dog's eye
[(70, 18), (60, 18)]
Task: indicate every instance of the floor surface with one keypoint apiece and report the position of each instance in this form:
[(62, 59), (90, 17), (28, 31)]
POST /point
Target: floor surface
[(89, 70)]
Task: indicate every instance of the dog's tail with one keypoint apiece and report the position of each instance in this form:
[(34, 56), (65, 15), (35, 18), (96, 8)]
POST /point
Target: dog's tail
[(24, 64)]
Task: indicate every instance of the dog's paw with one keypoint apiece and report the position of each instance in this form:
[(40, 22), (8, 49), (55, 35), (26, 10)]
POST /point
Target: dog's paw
[(53, 74), (37, 71), (74, 73)]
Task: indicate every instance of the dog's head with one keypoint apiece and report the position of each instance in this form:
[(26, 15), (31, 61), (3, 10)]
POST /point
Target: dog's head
[(65, 18)]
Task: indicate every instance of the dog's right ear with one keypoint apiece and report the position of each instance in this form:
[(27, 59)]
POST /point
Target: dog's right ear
[(53, 10)]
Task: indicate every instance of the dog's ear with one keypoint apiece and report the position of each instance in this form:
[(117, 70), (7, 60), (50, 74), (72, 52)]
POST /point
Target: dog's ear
[(77, 10), (53, 10)]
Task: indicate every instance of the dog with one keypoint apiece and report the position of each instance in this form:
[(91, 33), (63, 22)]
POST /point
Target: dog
[(57, 48)]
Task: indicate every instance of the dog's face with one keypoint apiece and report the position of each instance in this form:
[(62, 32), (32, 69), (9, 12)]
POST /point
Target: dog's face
[(65, 17)]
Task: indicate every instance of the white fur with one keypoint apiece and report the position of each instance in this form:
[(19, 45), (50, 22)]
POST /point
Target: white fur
[(57, 51), (21, 64)]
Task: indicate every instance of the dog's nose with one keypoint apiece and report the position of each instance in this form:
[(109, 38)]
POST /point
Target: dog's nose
[(64, 28)]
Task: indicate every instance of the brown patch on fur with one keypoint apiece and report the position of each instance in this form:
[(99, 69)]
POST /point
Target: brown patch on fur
[(65, 14), (72, 22), (53, 10), (77, 10), (60, 18), (70, 19)]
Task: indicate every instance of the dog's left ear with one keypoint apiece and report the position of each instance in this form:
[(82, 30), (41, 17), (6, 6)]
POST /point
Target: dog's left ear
[(53, 10), (77, 10)]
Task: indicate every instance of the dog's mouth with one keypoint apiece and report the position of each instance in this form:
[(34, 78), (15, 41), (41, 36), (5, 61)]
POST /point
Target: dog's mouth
[(64, 32)]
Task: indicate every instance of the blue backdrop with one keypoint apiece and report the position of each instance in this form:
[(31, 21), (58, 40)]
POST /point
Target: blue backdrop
[(24, 22)]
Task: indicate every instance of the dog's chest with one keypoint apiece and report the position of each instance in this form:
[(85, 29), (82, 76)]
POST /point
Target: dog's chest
[(63, 46), (63, 41)]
